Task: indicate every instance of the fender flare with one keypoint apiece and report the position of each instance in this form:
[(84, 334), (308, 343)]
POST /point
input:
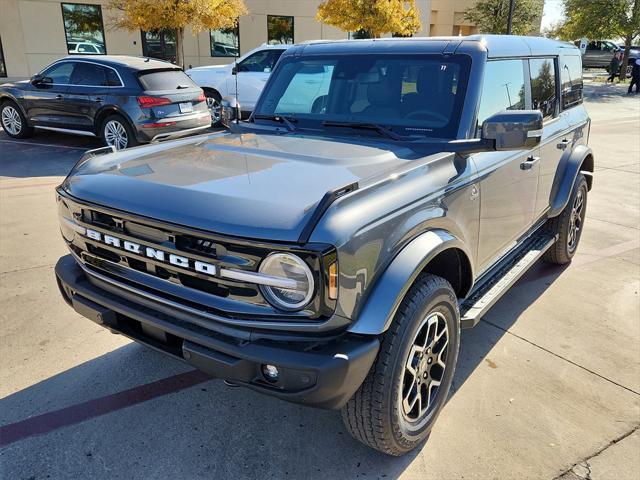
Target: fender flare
[(568, 170), (382, 303)]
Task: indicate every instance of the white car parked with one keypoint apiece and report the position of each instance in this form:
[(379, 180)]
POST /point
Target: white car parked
[(250, 72)]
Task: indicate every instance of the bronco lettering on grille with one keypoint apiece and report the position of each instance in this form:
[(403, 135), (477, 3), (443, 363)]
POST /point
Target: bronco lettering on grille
[(156, 254)]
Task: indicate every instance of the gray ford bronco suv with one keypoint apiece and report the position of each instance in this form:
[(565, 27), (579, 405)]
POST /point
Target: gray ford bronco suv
[(383, 195)]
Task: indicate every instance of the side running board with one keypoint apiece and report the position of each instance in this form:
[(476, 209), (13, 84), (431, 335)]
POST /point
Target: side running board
[(501, 277)]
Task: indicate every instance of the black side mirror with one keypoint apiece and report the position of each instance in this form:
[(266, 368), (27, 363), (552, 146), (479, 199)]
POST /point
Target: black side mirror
[(36, 79), (234, 71), (513, 129)]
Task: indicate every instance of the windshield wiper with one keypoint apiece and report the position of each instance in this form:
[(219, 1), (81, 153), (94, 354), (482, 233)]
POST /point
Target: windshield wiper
[(182, 87), (365, 126), (288, 121)]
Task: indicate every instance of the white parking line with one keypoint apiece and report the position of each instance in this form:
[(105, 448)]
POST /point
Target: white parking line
[(44, 144)]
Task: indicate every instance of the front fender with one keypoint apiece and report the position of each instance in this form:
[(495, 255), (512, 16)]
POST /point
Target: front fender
[(568, 169), (381, 304)]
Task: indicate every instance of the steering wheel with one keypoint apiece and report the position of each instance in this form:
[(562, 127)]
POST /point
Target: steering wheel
[(428, 113)]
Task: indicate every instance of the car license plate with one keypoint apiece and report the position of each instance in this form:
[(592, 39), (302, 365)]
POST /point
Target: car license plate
[(186, 107)]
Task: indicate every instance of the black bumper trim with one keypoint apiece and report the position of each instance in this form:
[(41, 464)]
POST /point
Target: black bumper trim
[(322, 374)]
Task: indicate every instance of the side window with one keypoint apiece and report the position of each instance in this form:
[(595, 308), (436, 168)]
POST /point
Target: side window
[(543, 86), (88, 74), (112, 78), (503, 88), (59, 73), (571, 80), (262, 61)]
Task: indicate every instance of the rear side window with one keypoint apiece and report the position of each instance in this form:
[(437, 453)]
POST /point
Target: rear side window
[(165, 80), (503, 88), (112, 78), (88, 74), (543, 86), (571, 78)]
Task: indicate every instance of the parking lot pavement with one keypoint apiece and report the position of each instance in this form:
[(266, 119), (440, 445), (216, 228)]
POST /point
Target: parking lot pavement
[(548, 384)]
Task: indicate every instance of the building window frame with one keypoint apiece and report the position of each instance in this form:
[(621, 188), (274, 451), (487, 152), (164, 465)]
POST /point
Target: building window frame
[(3, 65), (66, 37), (293, 29), (211, 42)]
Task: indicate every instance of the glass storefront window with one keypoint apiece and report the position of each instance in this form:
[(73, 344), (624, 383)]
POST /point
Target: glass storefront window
[(83, 28), (279, 29), (225, 43)]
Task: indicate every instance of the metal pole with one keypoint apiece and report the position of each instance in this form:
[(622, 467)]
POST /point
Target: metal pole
[(512, 4)]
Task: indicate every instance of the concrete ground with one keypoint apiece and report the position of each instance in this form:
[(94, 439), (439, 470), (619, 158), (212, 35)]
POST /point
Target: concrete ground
[(548, 384)]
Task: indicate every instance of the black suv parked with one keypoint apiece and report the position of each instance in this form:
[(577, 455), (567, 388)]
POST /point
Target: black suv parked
[(123, 100)]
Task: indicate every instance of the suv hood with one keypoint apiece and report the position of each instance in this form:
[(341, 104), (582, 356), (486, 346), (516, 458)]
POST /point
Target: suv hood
[(246, 185)]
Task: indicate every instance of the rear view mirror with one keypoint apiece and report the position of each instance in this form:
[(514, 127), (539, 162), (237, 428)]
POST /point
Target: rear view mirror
[(513, 129)]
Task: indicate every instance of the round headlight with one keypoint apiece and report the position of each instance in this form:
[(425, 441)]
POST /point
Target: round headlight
[(287, 267)]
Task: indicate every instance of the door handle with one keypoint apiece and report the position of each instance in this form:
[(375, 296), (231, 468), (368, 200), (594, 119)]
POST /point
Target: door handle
[(98, 100), (563, 144), (58, 97), (529, 163)]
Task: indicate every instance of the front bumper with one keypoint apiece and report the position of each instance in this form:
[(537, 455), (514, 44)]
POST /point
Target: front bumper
[(322, 374)]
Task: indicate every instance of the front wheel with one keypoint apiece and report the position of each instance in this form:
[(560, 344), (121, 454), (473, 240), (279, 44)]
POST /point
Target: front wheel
[(14, 122), (568, 225), (396, 406), (116, 132)]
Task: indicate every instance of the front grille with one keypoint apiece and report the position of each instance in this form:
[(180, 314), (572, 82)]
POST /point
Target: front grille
[(181, 283)]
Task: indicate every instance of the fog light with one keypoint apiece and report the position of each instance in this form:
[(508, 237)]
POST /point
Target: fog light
[(270, 372)]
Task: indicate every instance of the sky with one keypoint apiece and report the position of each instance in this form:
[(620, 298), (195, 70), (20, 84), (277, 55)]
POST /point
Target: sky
[(552, 13)]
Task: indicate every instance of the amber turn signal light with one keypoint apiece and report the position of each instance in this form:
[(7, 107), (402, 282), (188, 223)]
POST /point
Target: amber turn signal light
[(333, 281)]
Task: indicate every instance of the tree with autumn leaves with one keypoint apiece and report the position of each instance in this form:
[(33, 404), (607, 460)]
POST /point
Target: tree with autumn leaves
[(177, 15), (371, 17)]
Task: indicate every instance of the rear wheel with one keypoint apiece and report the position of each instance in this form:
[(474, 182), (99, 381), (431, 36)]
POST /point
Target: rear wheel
[(214, 104), (116, 132), (568, 225), (13, 121), (395, 408)]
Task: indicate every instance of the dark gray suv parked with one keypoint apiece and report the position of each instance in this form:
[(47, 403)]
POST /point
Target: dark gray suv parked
[(383, 195), (122, 100)]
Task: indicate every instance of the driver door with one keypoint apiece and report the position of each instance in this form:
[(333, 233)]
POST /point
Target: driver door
[(46, 104), (509, 179), (251, 74)]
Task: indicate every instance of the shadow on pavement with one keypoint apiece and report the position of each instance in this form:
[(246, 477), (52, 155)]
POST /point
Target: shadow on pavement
[(209, 429)]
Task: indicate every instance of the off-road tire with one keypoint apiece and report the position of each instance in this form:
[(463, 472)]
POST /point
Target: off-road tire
[(374, 414), (24, 130), (562, 252)]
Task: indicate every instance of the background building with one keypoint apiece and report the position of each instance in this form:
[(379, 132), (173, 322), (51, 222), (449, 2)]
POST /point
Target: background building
[(34, 33)]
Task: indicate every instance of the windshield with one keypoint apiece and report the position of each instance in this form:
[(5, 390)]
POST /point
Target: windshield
[(409, 94)]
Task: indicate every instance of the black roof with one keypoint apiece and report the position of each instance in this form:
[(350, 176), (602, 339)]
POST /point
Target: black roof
[(495, 45)]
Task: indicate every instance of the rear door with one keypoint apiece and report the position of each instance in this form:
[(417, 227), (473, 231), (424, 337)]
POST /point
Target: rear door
[(45, 101), (85, 96), (251, 74), (508, 180)]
